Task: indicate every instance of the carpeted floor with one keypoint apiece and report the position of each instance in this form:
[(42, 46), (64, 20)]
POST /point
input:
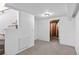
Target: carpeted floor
[(1, 49), (48, 48)]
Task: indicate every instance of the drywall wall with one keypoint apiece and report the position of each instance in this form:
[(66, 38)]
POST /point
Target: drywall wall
[(26, 30), (66, 30), (77, 33), (42, 29), (7, 18), (17, 40), (36, 29), (11, 41)]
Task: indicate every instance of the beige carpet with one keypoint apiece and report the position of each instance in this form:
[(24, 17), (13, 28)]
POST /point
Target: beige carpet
[(49, 48)]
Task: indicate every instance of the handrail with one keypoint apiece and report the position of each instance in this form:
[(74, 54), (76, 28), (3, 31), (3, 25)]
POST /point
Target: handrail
[(4, 10), (2, 34)]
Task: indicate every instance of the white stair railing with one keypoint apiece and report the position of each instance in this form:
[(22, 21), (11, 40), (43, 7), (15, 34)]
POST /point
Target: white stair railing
[(13, 25), (3, 11)]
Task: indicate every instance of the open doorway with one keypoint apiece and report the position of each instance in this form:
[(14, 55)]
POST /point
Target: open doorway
[(54, 30)]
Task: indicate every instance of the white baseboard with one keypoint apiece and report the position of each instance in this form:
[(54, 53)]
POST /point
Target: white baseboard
[(24, 49)]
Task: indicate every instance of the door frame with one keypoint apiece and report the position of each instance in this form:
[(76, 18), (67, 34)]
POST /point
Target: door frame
[(52, 21)]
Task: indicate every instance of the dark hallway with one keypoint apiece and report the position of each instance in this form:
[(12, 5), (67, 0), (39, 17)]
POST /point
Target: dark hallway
[(54, 30)]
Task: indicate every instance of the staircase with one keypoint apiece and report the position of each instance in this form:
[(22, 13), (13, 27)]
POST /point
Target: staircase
[(10, 25), (2, 37), (2, 42)]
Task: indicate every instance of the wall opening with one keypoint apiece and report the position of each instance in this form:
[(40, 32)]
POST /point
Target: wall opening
[(54, 30)]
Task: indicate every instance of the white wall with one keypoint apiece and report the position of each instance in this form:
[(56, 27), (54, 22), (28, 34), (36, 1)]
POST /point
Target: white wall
[(7, 18), (11, 41), (77, 34), (42, 29), (36, 29), (17, 40), (26, 30), (66, 30)]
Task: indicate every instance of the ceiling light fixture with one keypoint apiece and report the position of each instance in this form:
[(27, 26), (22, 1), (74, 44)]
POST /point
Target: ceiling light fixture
[(47, 13)]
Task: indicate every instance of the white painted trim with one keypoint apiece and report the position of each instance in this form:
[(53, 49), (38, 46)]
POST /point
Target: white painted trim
[(24, 49)]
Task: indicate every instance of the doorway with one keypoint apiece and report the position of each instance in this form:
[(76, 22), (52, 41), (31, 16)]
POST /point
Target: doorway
[(54, 31)]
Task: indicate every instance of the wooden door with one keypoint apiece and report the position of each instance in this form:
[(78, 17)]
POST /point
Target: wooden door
[(54, 29)]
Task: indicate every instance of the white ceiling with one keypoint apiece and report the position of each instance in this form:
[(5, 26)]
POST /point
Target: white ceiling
[(59, 9)]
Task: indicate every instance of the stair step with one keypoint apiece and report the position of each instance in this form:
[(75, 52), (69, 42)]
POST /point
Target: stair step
[(1, 46), (1, 51), (2, 42)]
